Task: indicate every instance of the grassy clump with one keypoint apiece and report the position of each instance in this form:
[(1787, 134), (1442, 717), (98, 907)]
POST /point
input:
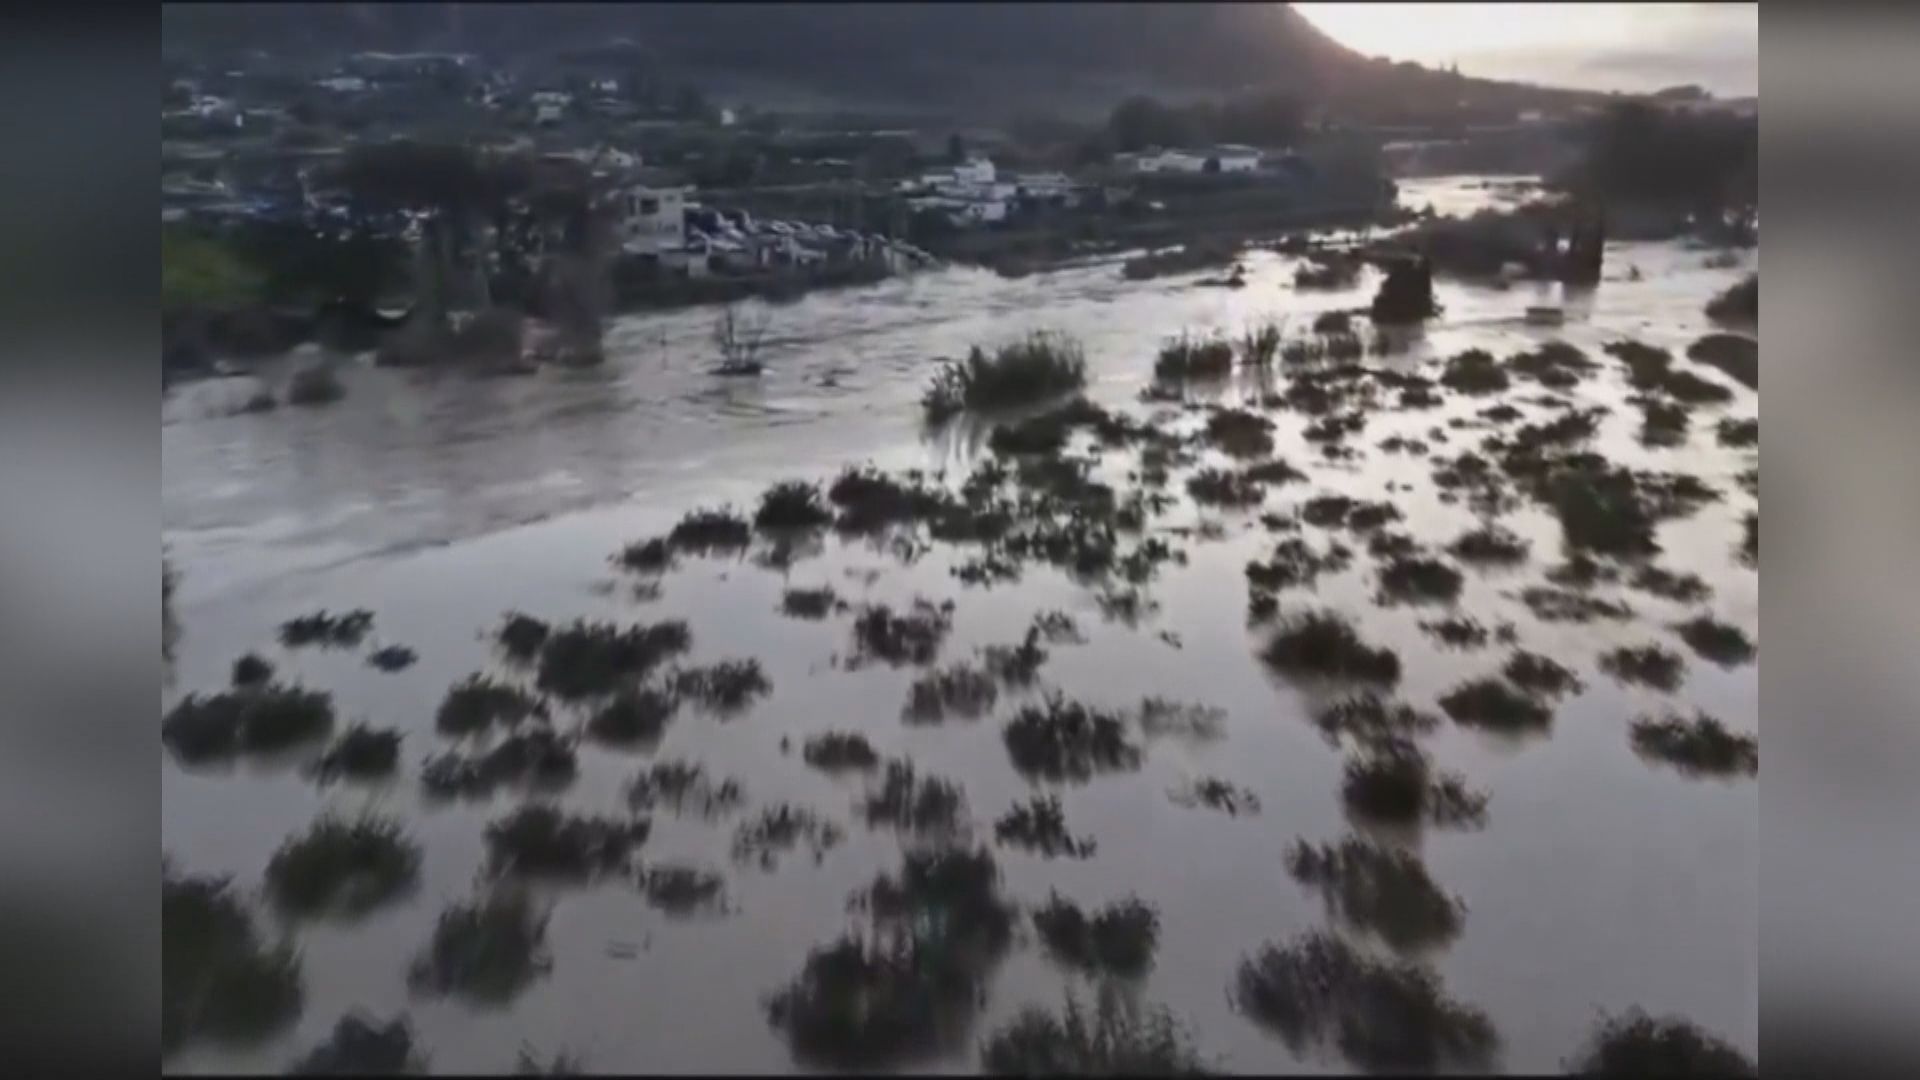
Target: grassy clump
[(1475, 372), (1118, 939), (911, 638), (535, 756), (486, 951), (392, 658), (1260, 345), (520, 636), (1555, 365), (679, 889), (1684, 588), (1222, 487), (809, 603), (539, 841), (362, 1047), (1383, 890), (1564, 605), (725, 687), (327, 629), (839, 751), (1160, 718), (1334, 511), (1738, 433), (1295, 563), (262, 719), (1740, 303), (793, 504), (1032, 369), (1116, 1040), (1368, 718), (705, 531), (359, 753), (1392, 544), (1496, 705), (912, 803), (1645, 665), (1701, 747), (870, 500), (1067, 741), (1323, 643), (1663, 423), (1457, 631), (958, 690), (345, 867), (217, 980), (1539, 674), (954, 889), (1647, 366), (479, 702), (1240, 433), (1194, 357), (649, 556), (683, 787), (251, 670), (315, 385), (1039, 826), (635, 716), (590, 659), (1738, 358), (1389, 1016), (1393, 780), (871, 1002), (1636, 1044), (1418, 581), (1722, 643), (1217, 794), (780, 829), (1691, 389), (1490, 545)]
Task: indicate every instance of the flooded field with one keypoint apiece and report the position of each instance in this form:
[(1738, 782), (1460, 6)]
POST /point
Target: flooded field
[(967, 742)]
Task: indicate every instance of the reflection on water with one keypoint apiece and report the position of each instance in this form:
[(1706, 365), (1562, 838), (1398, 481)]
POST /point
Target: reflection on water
[(440, 502)]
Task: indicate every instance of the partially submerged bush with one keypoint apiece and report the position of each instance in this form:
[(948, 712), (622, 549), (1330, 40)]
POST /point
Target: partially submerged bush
[(344, 867), (1496, 705), (680, 889), (1722, 643), (1295, 563), (1490, 544), (1117, 1040), (1034, 368), (479, 702), (1702, 746), (705, 531), (363, 1047), (539, 841), (1323, 643), (683, 787), (327, 629), (1683, 588), (392, 658), (1161, 718), (315, 385), (520, 636), (486, 951), (1367, 718), (911, 638), (589, 659), (1738, 358), (725, 687), (1118, 939), (1214, 793), (1383, 890), (1556, 365), (793, 504), (1456, 631), (912, 803), (635, 716), (217, 980), (1564, 605), (809, 603), (870, 500), (1380, 1015), (1738, 433), (1417, 580), (648, 556), (1190, 357), (251, 670), (1539, 674), (1067, 741), (1647, 665), (1260, 345), (1039, 826), (1636, 1044), (359, 753), (779, 829), (839, 751), (1663, 423), (260, 719), (1475, 372), (958, 690), (1240, 433), (1221, 487), (1392, 780), (534, 756)]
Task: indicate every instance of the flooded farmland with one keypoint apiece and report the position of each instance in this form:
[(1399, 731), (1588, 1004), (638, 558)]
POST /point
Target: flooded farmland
[(920, 743)]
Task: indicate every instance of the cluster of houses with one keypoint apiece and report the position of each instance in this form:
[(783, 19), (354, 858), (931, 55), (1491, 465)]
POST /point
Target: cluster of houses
[(973, 192)]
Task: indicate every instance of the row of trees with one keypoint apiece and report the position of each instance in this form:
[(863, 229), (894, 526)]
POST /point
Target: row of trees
[(1261, 120)]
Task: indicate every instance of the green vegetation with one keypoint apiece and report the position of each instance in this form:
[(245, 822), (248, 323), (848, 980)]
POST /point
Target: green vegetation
[(327, 629), (1038, 367), (538, 840), (1039, 826), (1383, 890), (535, 756), (1067, 741), (1750, 539), (1475, 372), (1418, 580), (705, 531), (909, 639), (779, 829), (958, 690), (1220, 487), (1456, 631), (1679, 588), (520, 636), (344, 867), (1646, 665), (486, 951), (793, 504), (218, 982), (1738, 433), (1118, 939), (1564, 605), (1740, 303), (649, 556), (251, 670), (1389, 1016), (1117, 1040), (723, 687), (1700, 747), (633, 717), (1663, 423), (589, 659), (1539, 674), (1636, 1044), (477, 703), (359, 753), (1161, 718), (1722, 643), (259, 719), (1555, 365), (683, 787), (362, 1047), (1323, 643), (1392, 780), (1368, 718), (1493, 704), (839, 751), (202, 272), (1259, 345), (911, 803)]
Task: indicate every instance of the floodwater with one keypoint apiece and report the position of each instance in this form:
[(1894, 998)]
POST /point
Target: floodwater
[(1599, 882)]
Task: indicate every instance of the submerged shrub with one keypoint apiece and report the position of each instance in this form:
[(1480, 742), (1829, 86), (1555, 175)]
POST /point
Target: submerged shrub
[(648, 556), (1474, 372), (486, 951), (1380, 1015), (1702, 746), (1722, 643), (315, 385), (680, 889), (839, 751), (1039, 826), (1193, 357), (911, 803), (1323, 643), (346, 867), (1418, 580), (479, 702), (251, 670), (217, 980), (960, 689), (1220, 487), (1118, 939), (1217, 794), (1457, 631), (1240, 433), (635, 716), (539, 841), (1368, 718), (1260, 345), (363, 1047), (911, 638), (324, 628), (809, 603), (1490, 545), (1295, 563), (1160, 717), (726, 686), (705, 531), (1647, 665), (588, 659), (1540, 674), (1738, 433), (792, 504), (1392, 780), (359, 753), (392, 658), (1117, 1040), (1494, 704), (1562, 605), (1067, 741), (520, 636), (779, 829), (1679, 588), (1382, 890), (1036, 367), (259, 719), (1636, 1044), (535, 756), (1735, 356)]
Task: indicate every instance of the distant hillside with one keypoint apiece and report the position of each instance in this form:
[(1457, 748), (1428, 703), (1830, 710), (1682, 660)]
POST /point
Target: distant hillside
[(984, 60)]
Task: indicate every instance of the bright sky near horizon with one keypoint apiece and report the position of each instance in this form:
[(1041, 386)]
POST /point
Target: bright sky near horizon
[(1629, 47)]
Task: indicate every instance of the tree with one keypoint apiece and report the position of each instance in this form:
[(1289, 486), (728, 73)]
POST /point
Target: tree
[(956, 149), (738, 337), (1140, 122)]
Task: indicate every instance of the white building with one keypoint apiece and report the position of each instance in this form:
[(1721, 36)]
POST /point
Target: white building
[(1230, 158), (653, 217)]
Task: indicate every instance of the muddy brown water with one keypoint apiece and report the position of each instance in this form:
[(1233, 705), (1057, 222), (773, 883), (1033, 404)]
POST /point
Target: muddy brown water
[(1599, 882)]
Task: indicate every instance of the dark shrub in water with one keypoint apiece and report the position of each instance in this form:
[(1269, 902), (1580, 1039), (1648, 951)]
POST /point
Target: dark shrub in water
[(350, 867), (1032, 369), (485, 951), (1636, 1044), (217, 981)]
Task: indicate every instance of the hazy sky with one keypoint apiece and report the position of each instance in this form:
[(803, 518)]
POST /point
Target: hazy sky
[(1631, 47)]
